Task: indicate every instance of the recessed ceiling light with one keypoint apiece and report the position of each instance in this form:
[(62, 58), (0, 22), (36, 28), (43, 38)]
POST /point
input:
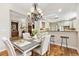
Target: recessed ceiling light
[(59, 10), (56, 16)]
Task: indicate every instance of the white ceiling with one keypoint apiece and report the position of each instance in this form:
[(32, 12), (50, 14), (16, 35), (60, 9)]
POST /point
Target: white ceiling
[(49, 9)]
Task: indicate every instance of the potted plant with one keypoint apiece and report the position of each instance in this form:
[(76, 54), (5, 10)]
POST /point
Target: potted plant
[(34, 32)]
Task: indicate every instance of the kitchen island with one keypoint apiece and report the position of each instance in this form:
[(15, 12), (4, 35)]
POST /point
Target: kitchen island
[(72, 41)]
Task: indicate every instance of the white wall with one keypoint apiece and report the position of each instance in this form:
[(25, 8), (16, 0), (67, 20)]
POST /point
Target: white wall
[(4, 22), (17, 9)]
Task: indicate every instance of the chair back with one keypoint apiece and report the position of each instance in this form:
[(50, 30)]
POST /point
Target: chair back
[(45, 43), (9, 46), (41, 35), (26, 35)]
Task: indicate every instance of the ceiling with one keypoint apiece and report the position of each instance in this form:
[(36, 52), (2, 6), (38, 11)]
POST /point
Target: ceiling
[(50, 10)]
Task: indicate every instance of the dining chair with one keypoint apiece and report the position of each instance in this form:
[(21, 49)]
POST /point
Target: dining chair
[(26, 35), (11, 50), (40, 35), (43, 48)]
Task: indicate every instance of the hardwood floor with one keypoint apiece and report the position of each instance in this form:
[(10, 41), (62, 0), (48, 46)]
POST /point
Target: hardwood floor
[(55, 50), (4, 53)]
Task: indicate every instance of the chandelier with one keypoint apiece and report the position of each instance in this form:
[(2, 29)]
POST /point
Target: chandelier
[(35, 13)]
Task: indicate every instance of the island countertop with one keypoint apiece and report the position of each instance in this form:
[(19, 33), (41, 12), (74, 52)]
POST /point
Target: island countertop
[(62, 31), (59, 31)]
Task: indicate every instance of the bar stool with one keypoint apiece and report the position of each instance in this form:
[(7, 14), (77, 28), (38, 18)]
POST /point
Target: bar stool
[(64, 37), (52, 38)]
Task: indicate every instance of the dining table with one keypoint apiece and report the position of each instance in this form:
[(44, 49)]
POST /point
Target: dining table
[(26, 45)]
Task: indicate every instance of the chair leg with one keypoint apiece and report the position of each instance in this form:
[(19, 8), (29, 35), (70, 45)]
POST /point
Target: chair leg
[(53, 40), (32, 53), (66, 44), (61, 42), (47, 53)]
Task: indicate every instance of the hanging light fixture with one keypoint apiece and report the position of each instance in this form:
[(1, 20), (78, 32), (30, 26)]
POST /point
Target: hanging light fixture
[(36, 13)]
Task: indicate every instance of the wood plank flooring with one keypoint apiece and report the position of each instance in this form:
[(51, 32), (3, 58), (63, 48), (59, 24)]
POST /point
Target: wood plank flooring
[(56, 50)]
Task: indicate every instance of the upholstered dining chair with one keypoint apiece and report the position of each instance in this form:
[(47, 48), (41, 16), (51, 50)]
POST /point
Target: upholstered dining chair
[(26, 35), (43, 48), (40, 35), (11, 50)]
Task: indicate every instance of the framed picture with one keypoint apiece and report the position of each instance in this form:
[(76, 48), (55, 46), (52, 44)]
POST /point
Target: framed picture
[(14, 29)]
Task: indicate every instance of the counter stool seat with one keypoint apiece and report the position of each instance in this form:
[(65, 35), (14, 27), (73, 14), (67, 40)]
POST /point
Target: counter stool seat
[(65, 37), (52, 35)]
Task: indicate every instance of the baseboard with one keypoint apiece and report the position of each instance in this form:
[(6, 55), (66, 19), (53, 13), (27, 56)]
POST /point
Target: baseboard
[(65, 45)]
